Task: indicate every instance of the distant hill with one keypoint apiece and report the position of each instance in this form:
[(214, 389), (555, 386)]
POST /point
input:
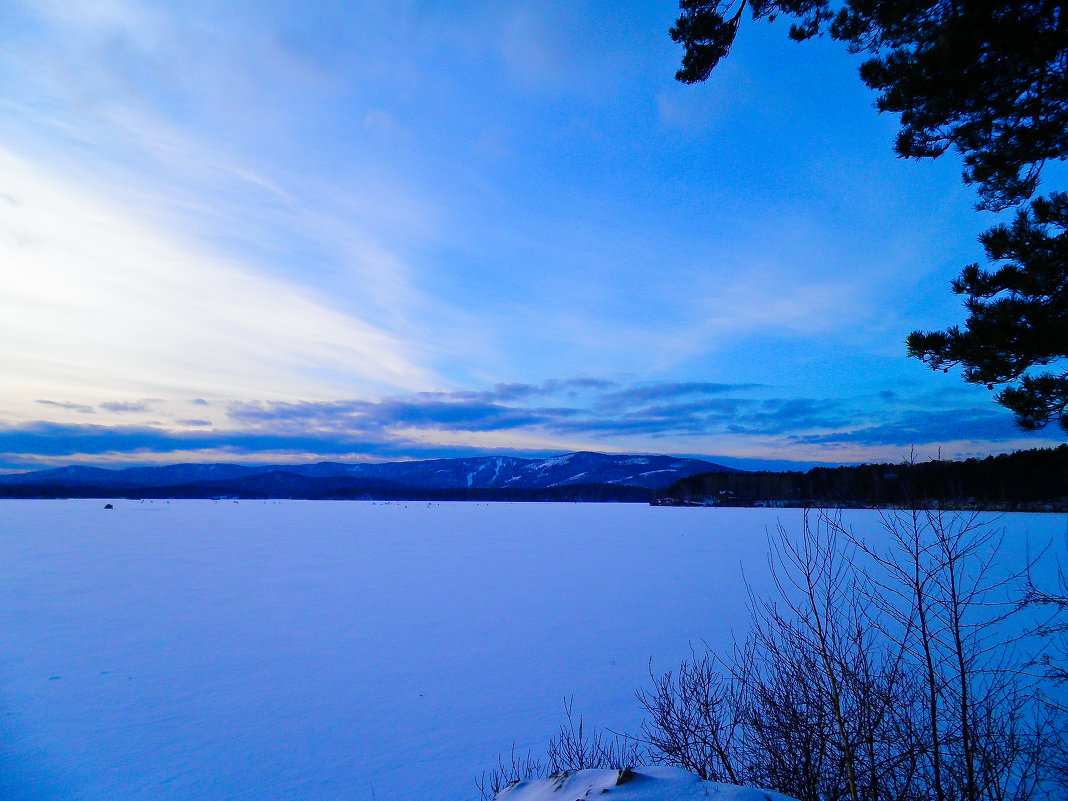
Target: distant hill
[(572, 476), (1030, 480), (1026, 480)]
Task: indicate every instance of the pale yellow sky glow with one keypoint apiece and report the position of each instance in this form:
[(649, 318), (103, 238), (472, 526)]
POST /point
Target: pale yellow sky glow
[(98, 307)]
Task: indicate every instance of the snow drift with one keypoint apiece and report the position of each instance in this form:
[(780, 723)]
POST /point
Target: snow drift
[(638, 784)]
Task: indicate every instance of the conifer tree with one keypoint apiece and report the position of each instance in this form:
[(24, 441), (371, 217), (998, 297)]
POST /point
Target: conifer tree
[(988, 79)]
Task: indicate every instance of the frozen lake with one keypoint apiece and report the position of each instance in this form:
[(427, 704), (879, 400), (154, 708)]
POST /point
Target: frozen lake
[(348, 650)]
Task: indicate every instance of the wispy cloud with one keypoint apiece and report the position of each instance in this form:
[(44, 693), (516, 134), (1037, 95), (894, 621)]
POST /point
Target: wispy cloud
[(571, 387), (120, 407), (925, 427), (110, 306), (420, 412), (73, 407), (646, 392), (550, 416), (38, 444)]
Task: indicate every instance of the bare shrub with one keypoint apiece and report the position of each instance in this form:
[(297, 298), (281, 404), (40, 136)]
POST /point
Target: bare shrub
[(1052, 662), (516, 769), (695, 720), (894, 683), (1053, 630), (981, 732), (574, 747), (898, 681)]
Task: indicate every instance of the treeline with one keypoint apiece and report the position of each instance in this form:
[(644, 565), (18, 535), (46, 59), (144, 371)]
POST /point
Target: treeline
[(287, 486), (1031, 479)]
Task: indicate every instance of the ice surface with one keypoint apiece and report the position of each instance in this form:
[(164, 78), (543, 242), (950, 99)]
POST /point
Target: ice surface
[(314, 650)]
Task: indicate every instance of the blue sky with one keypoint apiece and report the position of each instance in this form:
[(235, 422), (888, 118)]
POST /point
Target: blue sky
[(282, 231)]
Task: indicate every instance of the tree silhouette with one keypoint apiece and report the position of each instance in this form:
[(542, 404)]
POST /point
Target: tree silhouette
[(988, 79), (1017, 316)]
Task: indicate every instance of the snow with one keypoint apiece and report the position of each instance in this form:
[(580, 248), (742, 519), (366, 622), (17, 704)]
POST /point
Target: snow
[(640, 784), (342, 650), (555, 461), (500, 466)]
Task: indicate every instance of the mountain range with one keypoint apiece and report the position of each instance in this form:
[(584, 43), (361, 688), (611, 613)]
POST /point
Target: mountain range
[(572, 476)]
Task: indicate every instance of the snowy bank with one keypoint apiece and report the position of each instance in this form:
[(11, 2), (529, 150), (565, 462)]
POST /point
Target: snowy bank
[(639, 784)]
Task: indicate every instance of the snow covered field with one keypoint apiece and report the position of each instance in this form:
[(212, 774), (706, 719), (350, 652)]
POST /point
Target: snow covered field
[(315, 650)]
